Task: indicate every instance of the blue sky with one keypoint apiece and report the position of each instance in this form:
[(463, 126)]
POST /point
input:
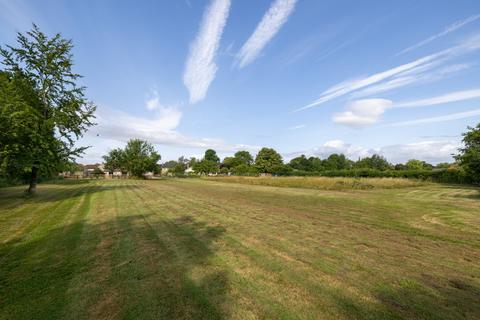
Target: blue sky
[(398, 78)]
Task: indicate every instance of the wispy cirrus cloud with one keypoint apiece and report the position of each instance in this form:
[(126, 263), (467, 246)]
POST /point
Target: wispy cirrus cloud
[(395, 77), (445, 98), (416, 76), (366, 112), (451, 28), (300, 126), (268, 27), (445, 118), (200, 68)]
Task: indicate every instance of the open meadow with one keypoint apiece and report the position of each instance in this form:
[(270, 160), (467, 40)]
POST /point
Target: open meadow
[(224, 249)]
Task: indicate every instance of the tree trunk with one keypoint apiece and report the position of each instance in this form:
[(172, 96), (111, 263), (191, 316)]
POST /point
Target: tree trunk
[(33, 181)]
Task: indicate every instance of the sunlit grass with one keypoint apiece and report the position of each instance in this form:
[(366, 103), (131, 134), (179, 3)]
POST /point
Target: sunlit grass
[(198, 249)]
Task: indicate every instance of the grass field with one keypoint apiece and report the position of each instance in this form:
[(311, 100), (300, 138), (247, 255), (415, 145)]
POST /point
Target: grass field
[(198, 249), (322, 183)]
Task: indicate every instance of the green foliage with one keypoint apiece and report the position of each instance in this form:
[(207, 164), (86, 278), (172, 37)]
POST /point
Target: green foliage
[(169, 164), (138, 157), (268, 160), (209, 164), (115, 160), (211, 155), (414, 164), (337, 162), (443, 165), (245, 170), (281, 170), (206, 167), (230, 162), (243, 157), (239, 164), (42, 109), (180, 167), (301, 163), (451, 175), (374, 162), (469, 157)]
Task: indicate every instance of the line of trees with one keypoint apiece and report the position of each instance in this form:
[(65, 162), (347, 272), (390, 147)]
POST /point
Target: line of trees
[(466, 168), (270, 161)]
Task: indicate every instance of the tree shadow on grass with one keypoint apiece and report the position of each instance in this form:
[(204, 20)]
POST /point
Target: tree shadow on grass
[(49, 193), (410, 299), (123, 268)]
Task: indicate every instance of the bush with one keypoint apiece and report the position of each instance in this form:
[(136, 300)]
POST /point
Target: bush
[(449, 175)]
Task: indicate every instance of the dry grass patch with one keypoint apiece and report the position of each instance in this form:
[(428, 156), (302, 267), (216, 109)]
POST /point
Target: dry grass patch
[(323, 183)]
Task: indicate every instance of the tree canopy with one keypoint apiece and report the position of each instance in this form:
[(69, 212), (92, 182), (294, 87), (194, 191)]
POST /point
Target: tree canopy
[(268, 160), (211, 155), (469, 157), (43, 111), (209, 164), (137, 158), (374, 162)]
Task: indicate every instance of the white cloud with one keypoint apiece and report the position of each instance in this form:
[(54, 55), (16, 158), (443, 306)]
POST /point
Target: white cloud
[(445, 118), (451, 28), (386, 86), (362, 113), (200, 67), (415, 76), (161, 129), (153, 102), (338, 146), (414, 68), (300, 126), (446, 98), (456, 68), (268, 27), (430, 151), (366, 112)]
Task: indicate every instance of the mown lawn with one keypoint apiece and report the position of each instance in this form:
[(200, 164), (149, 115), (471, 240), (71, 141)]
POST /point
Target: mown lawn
[(196, 249)]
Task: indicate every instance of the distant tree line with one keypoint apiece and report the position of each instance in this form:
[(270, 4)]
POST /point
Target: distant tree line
[(466, 168)]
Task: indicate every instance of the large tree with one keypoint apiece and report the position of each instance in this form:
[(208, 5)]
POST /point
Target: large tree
[(414, 164), (301, 163), (211, 155), (374, 162), (469, 157), (138, 157), (268, 160), (337, 162), (243, 157), (115, 160), (209, 164), (43, 106)]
